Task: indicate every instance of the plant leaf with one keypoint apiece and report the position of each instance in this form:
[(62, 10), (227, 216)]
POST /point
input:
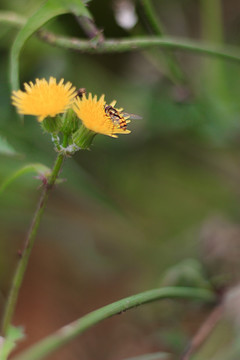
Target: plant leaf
[(48, 11), (6, 149), (8, 343), (40, 169)]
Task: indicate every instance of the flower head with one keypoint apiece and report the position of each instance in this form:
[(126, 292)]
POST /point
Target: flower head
[(44, 98), (99, 117)]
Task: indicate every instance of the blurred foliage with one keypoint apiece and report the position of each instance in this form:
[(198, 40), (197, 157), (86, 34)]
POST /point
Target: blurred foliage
[(130, 208), (14, 335)]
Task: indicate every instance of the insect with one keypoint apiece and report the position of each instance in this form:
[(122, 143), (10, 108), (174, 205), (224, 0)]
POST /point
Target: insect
[(80, 92), (119, 118), (116, 117)]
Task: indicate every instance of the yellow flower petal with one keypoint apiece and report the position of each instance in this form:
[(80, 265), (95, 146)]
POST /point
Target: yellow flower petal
[(94, 117), (44, 98)]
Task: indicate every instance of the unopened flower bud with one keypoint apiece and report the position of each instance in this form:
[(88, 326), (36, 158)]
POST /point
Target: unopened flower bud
[(70, 122), (83, 137), (52, 124)]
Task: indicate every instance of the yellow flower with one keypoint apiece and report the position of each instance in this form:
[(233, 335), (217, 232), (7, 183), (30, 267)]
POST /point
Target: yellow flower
[(44, 98), (95, 116)]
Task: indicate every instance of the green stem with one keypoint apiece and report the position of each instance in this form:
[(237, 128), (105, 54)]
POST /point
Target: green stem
[(90, 28), (137, 43), (174, 70), (151, 17), (214, 73), (141, 43), (65, 334), (10, 17), (28, 245)]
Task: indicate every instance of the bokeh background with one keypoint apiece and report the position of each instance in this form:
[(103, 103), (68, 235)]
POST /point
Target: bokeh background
[(133, 207)]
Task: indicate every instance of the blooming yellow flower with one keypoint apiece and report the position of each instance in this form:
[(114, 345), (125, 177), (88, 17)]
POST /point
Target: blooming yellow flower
[(44, 98), (95, 117)]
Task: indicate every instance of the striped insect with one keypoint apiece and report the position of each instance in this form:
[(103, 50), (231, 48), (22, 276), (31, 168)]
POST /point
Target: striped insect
[(119, 118)]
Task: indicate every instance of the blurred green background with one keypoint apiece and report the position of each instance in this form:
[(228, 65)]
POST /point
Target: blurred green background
[(130, 208)]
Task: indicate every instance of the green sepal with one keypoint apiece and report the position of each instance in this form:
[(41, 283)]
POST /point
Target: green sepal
[(83, 137), (70, 123), (52, 124)]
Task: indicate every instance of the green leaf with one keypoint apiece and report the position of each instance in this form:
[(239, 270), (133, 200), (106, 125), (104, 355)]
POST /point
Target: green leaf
[(40, 169), (48, 11), (6, 149), (8, 343)]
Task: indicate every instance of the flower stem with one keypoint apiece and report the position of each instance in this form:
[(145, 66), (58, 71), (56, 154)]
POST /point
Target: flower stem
[(28, 245), (67, 333), (150, 14)]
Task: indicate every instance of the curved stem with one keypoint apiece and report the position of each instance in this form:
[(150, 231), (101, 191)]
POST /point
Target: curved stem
[(140, 43), (65, 334), (28, 245), (137, 43)]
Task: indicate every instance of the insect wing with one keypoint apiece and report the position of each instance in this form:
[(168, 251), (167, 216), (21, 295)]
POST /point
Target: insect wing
[(132, 116)]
